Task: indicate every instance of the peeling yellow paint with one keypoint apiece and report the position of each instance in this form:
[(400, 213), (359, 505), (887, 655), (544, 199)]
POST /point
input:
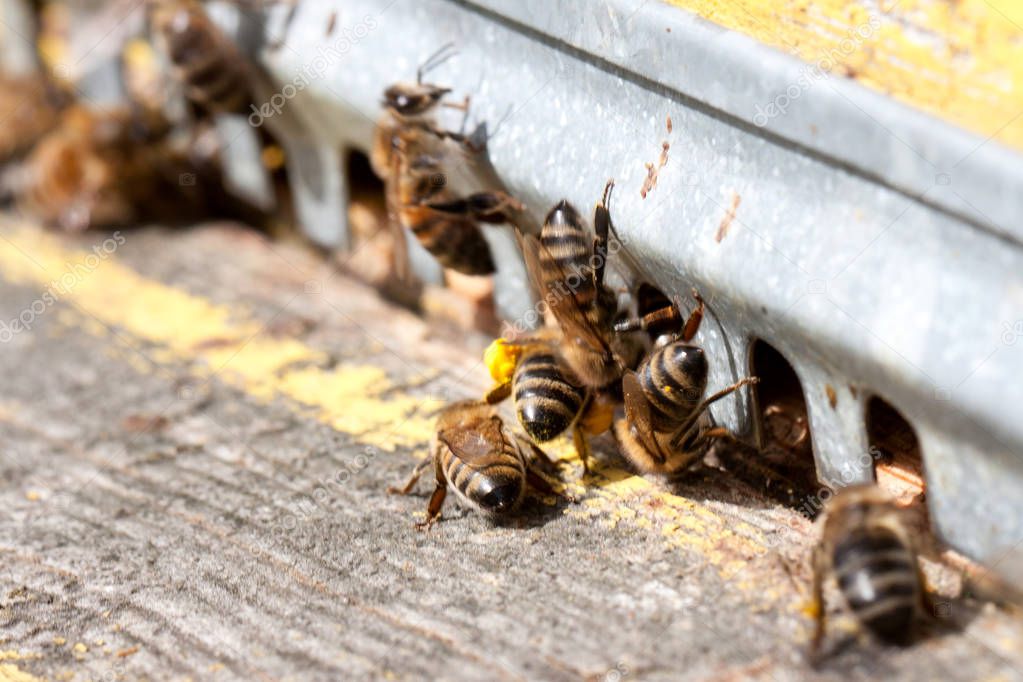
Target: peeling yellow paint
[(11, 673), (168, 325), (959, 60)]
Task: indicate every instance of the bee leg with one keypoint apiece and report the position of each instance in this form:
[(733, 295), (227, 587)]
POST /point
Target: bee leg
[(719, 433), (539, 483), (582, 448), (462, 106), (542, 486), (436, 500), (498, 393), (538, 454), (433, 509), (817, 604), (602, 227), (927, 605), (702, 407), (666, 314), (695, 318), (458, 106), (489, 207), (416, 473)]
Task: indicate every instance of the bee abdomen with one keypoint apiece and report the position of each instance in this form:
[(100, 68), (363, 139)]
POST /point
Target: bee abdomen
[(207, 64), (545, 401), (495, 483), (878, 578), (674, 379), (566, 253), (456, 243)]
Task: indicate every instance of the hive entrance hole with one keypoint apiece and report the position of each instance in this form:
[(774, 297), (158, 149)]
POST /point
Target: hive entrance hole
[(370, 234), (651, 299), (895, 449), (785, 468), (364, 187)]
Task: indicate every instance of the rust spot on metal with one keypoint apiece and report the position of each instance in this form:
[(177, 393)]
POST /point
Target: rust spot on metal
[(832, 396), (653, 171), (726, 222)]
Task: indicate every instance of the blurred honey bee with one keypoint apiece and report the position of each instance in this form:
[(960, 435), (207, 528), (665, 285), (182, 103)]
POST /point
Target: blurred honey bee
[(30, 107), (72, 177), (867, 546), (476, 456), (411, 154), (547, 402), (212, 70), (567, 271), (666, 427), (106, 168)]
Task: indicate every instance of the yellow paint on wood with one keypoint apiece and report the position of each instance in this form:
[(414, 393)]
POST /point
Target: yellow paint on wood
[(960, 60), (9, 672), (169, 325), (12, 673)]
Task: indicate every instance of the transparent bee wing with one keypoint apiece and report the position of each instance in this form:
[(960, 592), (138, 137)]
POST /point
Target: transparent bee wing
[(393, 197), (571, 316), (473, 444), (637, 411)]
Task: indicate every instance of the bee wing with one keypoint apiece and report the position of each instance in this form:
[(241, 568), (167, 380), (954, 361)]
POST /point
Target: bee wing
[(472, 444), (685, 433), (637, 411), (571, 316), (393, 198), (530, 247)]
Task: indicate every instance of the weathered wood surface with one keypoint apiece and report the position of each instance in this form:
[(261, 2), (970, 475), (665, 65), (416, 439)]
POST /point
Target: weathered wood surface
[(197, 492)]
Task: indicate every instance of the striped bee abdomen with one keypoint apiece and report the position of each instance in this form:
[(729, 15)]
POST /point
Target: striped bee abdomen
[(674, 379), (546, 403), (877, 575), (495, 482), (210, 68), (565, 256), (455, 241)]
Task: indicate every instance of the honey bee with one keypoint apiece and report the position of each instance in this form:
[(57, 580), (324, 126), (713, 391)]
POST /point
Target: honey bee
[(72, 176), (482, 461), (547, 402), (111, 167), (214, 73), (666, 426), (867, 546), (568, 272), (30, 107), (410, 153)]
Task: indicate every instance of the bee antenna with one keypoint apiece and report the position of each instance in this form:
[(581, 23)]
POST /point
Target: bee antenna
[(507, 115), (445, 53), (607, 191)]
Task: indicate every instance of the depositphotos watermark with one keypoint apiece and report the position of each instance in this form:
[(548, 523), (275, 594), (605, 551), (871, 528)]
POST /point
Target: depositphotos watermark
[(75, 274), (312, 506), (313, 70), (557, 291), (814, 72)]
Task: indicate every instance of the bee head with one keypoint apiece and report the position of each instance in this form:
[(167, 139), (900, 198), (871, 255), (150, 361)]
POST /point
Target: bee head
[(407, 99)]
